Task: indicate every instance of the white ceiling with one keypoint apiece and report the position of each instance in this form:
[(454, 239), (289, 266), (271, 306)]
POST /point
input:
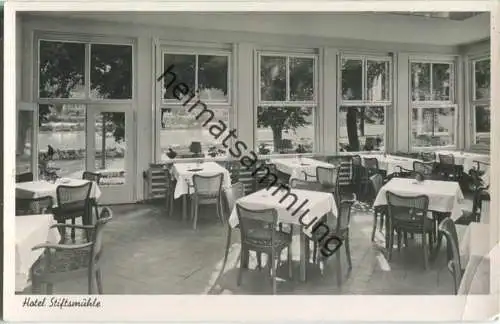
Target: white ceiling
[(371, 26)]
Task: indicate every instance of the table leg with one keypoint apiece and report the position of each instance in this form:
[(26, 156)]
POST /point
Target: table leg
[(303, 261)]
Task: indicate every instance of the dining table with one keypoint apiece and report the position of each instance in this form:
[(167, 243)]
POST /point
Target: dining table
[(317, 204), (184, 172), (298, 167), (465, 159), (391, 163), (31, 230)]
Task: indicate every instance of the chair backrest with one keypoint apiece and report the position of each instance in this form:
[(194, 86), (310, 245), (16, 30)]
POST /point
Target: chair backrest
[(73, 197), (446, 159), (377, 182), (409, 207), (371, 163), (31, 206), (92, 176), (24, 177), (104, 217), (448, 229), (305, 185), (265, 220), (232, 194), (326, 176), (344, 215), (344, 177), (428, 156), (356, 160), (423, 168), (207, 185)]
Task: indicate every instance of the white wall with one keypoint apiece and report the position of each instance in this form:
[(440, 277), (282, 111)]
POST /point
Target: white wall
[(245, 44)]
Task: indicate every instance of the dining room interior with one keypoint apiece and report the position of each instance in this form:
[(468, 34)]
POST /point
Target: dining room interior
[(375, 125)]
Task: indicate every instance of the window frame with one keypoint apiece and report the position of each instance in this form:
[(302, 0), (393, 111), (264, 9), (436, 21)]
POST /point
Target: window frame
[(434, 104), (159, 49), (473, 102), (385, 104), (33, 109), (314, 104)]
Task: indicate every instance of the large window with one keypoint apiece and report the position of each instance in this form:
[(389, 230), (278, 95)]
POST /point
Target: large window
[(183, 126), (365, 91), (24, 138), (433, 109), (481, 101), (286, 103), (72, 75)]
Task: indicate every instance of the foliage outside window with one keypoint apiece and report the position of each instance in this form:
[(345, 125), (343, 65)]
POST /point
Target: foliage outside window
[(433, 110), (63, 67), (481, 101), (24, 141), (366, 93), (184, 134), (287, 101)]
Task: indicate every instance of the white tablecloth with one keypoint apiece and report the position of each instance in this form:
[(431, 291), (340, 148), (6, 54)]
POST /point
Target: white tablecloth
[(317, 204), (390, 163), (36, 189), (296, 167), (465, 159), (184, 176), (474, 247), (444, 196), (31, 230)]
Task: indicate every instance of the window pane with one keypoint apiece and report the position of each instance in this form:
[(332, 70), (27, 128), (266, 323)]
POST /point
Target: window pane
[(212, 77), (482, 78), (352, 79), (62, 70), (482, 125), (441, 82), (111, 71), (272, 78), (301, 79), (24, 137), (361, 129), (183, 133), (61, 139), (421, 81), (184, 69), (110, 147), (433, 127), (285, 130), (377, 81)]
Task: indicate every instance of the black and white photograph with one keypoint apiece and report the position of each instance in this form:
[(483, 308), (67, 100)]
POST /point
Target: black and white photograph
[(288, 153)]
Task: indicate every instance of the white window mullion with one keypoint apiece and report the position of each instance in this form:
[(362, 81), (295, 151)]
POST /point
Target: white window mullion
[(196, 87), (364, 85), (287, 78), (430, 81)]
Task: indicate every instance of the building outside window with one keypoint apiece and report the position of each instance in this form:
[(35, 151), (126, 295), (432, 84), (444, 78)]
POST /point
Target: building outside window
[(287, 102), (206, 73), (481, 102), (433, 107), (365, 95)]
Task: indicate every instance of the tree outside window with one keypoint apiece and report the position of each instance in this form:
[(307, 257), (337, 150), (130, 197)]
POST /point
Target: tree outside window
[(481, 101)]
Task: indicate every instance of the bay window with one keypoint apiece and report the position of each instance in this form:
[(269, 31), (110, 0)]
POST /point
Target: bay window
[(365, 95), (433, 107), (286, 104), (205, 72), (481, 102)]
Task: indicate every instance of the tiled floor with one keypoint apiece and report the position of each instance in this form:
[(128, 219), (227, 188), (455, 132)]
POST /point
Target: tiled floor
[(148, 253)]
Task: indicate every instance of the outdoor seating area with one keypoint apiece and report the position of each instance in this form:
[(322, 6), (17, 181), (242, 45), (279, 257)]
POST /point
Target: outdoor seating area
[(298, 165)]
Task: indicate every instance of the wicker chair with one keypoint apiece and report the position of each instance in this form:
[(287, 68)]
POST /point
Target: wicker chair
[(449, 230), (408, 214), (424, 168), (24, 177), (70, 261), (207, 191), (428, 156), (32, 206), (73, 202), (327, 177), (447, 168), (170, 183), (94, 177), (371, 167), (305, 185), (378, 212), (259, 234)]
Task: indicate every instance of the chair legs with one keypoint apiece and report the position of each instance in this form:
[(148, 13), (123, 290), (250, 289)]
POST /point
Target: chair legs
[(98, 278)]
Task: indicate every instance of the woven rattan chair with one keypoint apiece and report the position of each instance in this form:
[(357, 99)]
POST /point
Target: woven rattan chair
[(424, 168), (378, 211), (169, 190), (448, 229), (327, 177), (62, 262), (371, 166), (259, 234), (32, 206), (24, 177), (447, 168), (207, 191), (428, 156), (94, 177), (305, 185), (408, 214), (73, 202)]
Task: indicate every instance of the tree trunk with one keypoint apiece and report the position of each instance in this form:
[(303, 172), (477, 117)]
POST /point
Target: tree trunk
[(352, 131), (277, 138), (362, 122)]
